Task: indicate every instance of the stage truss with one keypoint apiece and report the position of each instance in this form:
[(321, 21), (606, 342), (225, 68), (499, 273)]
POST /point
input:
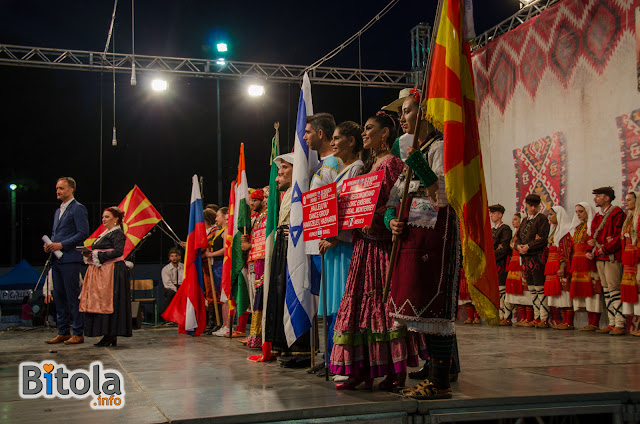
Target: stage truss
[(79, 60)]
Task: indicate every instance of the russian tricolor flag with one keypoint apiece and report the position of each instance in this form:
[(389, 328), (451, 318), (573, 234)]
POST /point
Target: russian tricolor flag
[(187, 308)]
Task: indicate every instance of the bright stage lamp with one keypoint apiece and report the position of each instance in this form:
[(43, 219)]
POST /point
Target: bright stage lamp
[(256, 90), (220, 62), (222, 47), (13, 187), (159, 85)]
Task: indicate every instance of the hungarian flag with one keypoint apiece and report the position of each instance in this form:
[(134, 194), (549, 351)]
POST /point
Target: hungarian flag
[(241, 225), (228, 245), (187, 308), (273, 213), (450, 106), (139, 218)]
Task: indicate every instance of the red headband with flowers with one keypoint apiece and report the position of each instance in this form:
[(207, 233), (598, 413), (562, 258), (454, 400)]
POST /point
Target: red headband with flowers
[(415, 93)]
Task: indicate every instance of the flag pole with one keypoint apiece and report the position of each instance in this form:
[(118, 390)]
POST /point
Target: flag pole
[(416, 142), (215, 295), (324, 320), (175, 237)]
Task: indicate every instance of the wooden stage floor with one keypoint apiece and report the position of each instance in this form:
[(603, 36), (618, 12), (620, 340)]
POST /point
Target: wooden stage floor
[(506, 373)]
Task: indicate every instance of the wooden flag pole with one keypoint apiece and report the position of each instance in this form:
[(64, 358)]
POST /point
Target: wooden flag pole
[(416, 145), (215, 295), (327, 354)]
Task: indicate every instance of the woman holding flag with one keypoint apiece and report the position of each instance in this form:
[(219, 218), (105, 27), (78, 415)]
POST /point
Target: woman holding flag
[(366, 343), (429, 246)]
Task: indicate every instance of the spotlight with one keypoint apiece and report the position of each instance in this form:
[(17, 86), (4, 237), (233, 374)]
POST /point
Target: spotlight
[(159, 85), (13, 187), (222, 47), (220, 62), (256, 90)]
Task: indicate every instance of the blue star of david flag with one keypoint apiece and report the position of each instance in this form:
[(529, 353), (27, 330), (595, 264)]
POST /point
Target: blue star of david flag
[(301, 305)]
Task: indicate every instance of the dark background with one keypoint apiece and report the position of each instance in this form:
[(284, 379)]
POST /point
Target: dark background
[(51, 119)]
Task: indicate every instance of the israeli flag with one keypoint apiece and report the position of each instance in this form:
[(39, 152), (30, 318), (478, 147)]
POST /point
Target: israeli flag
[(301, 304)]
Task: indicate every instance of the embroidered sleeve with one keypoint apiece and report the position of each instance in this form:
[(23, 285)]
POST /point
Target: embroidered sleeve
[(389, 215), (616, 220), (421, 167)]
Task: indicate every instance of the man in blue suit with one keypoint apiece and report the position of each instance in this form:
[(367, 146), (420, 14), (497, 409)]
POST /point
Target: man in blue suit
[(70, 229)]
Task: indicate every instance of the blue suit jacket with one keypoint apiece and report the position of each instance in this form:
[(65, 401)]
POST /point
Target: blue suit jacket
[(72, 230)]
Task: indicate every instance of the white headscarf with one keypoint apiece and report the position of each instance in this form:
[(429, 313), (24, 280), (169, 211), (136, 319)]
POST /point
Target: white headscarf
[(562, 227), (576, 221)]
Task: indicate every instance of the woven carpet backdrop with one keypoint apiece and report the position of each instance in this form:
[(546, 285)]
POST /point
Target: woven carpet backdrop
[(560, 86), (540, 169)]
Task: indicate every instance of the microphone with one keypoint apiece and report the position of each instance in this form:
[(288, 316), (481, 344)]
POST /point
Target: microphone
[(48, 241)]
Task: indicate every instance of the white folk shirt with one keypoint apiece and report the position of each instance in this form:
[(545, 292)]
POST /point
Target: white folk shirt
[(172, 276)]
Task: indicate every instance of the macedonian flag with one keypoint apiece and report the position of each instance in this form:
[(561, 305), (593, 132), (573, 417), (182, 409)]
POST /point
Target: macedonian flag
[(139, 218), (450, 106)]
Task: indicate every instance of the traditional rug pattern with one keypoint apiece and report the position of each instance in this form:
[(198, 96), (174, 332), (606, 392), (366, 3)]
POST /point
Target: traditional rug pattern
[(540, 169), (629, 135), (556, 41)]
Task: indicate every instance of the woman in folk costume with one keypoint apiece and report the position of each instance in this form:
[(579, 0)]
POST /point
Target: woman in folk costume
[(347, 146), (556, 270), (367, 344), (409, 108), (426, 276), (105, 298), (630, 259), (586, 290), (517, 291)]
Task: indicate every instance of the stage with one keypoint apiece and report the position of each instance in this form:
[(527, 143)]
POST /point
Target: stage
[(506, 373)]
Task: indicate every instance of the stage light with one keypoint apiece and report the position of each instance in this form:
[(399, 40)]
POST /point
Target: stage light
[(222, 47), (256, 90), (13, 187), (221, 62), (159, 85)]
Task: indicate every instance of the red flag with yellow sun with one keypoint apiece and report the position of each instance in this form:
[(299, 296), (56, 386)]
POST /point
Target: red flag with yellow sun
[(139, 218)]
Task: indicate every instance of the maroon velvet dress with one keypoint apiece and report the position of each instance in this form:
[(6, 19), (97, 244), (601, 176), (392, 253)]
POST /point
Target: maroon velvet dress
[(366, 341)]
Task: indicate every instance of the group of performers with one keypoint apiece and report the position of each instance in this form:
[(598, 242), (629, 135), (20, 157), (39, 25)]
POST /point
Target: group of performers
[(549, 266), (584, 259), (368, 338)]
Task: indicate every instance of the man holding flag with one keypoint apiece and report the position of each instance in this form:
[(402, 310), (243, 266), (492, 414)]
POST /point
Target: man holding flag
[(187, 308), (449, 209), (274, 336)]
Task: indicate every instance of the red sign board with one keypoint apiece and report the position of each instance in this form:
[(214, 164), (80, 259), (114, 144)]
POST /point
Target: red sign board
[(258, 241), (358, 198), (320, 213)]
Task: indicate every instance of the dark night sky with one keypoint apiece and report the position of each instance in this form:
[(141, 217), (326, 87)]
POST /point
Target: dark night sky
[(51, 119)]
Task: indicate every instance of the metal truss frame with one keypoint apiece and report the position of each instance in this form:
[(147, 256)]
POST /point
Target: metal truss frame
[(533, 9), (79, 60)]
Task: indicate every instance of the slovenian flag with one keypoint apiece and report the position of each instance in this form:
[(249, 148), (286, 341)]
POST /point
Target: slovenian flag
[(241, 225), (187, 308), (301, 301)]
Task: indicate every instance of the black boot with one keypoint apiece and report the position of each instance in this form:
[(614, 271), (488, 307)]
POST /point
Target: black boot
[(211, 321)]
